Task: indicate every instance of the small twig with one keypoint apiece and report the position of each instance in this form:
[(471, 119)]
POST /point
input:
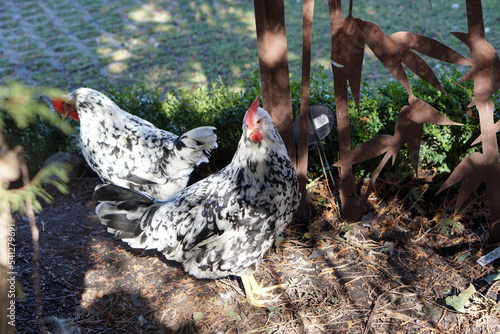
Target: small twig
[(443, 314), (423, 235), (412, 320), (230, 284), (490, 288), (60, 297), (372, 314), (375, 305), (35, 235)]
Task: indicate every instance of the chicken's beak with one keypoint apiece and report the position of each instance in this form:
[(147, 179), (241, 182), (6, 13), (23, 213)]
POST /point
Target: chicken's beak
[(65, 114)]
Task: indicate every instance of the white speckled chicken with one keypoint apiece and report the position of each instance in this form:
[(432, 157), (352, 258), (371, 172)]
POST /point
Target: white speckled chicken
[(224, 224), (128, 151)]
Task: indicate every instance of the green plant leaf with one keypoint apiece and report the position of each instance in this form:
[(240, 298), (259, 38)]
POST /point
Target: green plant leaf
[(464, 257), (459, 302), (197, 316), (491, 278), (55, 174)]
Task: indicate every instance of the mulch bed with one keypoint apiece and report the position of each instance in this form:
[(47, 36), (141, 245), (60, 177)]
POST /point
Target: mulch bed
[(388, 273)]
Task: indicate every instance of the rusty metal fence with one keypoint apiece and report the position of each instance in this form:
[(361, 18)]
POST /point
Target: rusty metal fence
[(350, 36)]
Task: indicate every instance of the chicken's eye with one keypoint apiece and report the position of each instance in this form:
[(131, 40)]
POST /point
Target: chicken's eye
[(259, 121)]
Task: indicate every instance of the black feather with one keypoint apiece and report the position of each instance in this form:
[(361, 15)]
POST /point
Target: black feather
[(139, 180), (133, 204), (110, 192), (119, 222), (179, 144)]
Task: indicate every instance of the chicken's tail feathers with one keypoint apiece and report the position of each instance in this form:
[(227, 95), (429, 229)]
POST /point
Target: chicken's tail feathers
[(199, 142), (124, 211)]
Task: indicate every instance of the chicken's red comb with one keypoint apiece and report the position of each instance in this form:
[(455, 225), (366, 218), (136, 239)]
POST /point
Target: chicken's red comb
[(58, 105), (251, 112), (253, 108), (255, 104)]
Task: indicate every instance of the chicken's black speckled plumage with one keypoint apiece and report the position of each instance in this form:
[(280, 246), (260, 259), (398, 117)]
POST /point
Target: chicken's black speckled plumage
[(222, 225), (128, 151)]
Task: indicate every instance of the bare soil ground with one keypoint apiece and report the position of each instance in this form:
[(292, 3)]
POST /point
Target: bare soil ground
[(388, 273)]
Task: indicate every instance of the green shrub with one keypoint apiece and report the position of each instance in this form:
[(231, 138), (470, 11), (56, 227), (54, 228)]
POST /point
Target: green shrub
[(140, 101), (443, 147), (39, 140), (213, 105)]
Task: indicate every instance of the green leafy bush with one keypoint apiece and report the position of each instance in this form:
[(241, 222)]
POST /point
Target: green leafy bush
[(213, 105), (443, 147), (140, 101)]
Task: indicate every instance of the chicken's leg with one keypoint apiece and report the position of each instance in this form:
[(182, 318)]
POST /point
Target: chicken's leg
[(252, 287)]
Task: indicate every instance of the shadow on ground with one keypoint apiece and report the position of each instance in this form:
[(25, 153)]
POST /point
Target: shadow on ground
[(384, 273)]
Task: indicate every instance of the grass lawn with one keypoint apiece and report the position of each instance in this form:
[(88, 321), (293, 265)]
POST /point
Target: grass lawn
[(172, 44)]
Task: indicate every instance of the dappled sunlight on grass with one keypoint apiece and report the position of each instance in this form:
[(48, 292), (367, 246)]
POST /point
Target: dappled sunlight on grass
[(183, 45), (196, 75), (150, 13), (117, 67), (77, 44), (121, 55), (105, 50), (204, 12)]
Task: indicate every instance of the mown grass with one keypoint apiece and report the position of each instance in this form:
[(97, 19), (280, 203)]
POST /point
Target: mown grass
[(174, 44)]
